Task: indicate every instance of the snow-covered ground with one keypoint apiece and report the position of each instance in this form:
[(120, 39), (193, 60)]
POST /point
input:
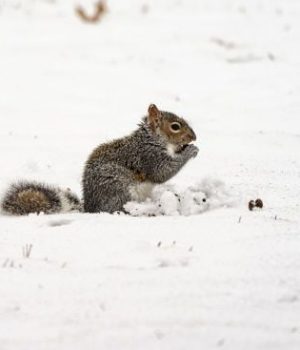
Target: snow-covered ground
[(225, 278)]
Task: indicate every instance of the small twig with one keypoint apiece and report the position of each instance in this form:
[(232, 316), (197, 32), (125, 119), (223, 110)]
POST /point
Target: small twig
[(100, 9), (5, 263), (26, 250), (63, 265)]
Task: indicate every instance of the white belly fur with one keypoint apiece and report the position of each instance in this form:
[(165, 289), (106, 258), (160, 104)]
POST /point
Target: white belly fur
[(141, 191), (171, 149), (65, 203)]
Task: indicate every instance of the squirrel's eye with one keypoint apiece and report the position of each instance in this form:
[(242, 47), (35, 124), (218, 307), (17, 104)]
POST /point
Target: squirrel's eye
[(175, 126)]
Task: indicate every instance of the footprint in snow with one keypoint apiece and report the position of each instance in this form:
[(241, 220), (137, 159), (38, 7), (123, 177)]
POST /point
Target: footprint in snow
[(62, 222)]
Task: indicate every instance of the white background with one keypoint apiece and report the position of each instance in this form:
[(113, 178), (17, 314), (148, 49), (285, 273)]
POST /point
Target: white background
[(227, 278)]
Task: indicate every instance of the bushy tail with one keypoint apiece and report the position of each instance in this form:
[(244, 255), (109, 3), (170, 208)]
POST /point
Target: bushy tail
[(25, 197)]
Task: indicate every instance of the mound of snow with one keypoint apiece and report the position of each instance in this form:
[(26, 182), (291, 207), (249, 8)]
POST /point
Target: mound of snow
[(172, 200)]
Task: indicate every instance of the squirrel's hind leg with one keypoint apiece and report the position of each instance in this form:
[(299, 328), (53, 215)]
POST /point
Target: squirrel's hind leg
[(106, 188)]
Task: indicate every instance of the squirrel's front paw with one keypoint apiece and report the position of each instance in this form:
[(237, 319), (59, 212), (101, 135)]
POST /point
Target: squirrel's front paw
[(191, 151)]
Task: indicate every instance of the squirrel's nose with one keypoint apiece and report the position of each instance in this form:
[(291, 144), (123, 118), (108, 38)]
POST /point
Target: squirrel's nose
[(192, 135)]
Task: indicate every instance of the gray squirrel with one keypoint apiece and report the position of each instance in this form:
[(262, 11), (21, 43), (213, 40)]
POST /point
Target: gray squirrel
[(126, 169), (116, 172)]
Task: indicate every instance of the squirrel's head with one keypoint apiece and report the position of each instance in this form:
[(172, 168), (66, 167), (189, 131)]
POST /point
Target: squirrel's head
[(173, 128)]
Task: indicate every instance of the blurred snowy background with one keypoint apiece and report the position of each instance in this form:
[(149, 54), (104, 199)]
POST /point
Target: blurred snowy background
[(225, 278)]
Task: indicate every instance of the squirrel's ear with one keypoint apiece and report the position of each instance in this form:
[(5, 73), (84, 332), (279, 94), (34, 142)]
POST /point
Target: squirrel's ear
[(154, 116)]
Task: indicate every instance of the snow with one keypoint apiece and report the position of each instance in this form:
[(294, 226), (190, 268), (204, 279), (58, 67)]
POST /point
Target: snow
[(172, 200), (224, 277)]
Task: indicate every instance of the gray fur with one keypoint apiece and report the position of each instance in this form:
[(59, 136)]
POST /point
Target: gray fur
[(112, 168)]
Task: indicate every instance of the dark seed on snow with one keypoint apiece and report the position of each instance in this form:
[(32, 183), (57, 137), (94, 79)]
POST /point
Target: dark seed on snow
[(251, 205), (259, 203)]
